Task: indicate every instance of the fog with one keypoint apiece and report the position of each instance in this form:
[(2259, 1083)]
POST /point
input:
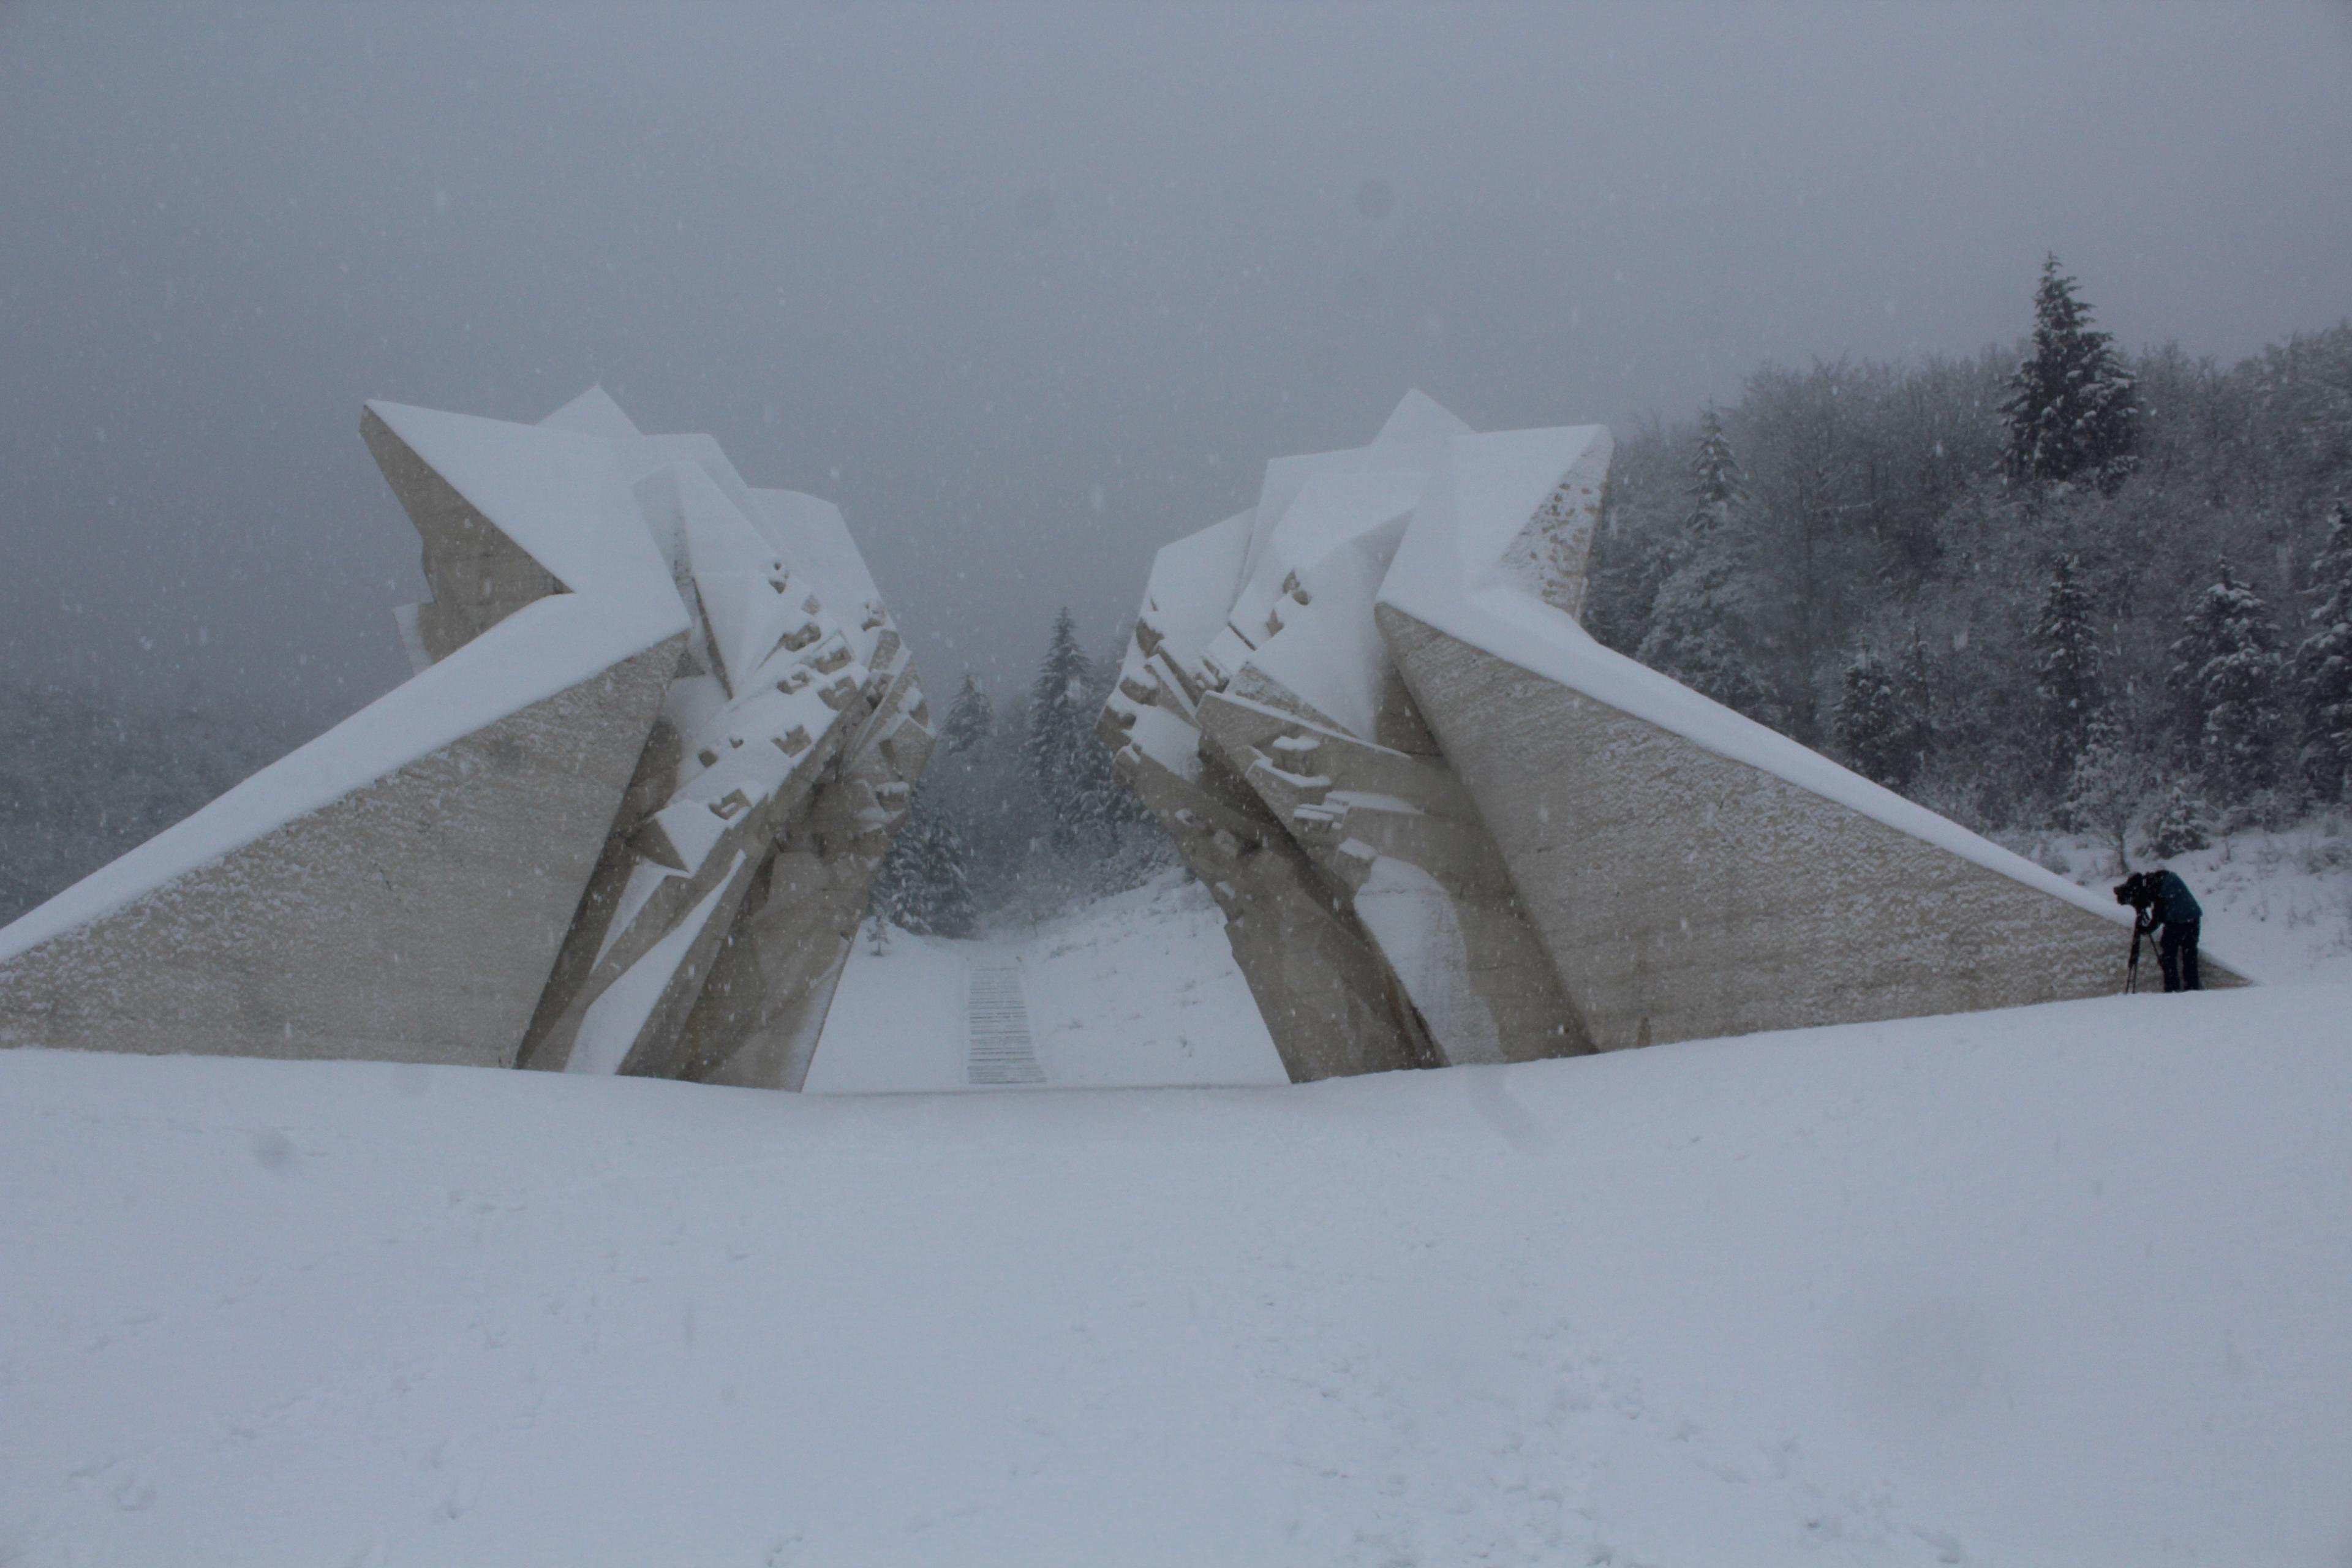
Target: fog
[(1031, 290)]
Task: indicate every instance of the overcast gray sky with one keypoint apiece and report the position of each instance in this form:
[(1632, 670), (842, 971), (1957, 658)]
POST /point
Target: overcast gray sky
[(1031, 290)]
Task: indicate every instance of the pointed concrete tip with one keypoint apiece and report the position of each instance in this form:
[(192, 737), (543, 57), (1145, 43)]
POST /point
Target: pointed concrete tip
[(593, 413), (1418, 417)]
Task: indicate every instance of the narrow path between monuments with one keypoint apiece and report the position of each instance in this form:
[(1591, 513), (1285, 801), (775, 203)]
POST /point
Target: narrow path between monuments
[(998, 1050), (1134, 991)]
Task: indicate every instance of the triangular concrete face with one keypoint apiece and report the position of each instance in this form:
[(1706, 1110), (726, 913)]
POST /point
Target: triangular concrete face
[(1416, 436), (1686, 887), (554, 494), (1513, 512), (478, 574), (411, 918)]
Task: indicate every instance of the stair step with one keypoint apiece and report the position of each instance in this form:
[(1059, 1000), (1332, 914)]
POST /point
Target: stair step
[(996, 1025)]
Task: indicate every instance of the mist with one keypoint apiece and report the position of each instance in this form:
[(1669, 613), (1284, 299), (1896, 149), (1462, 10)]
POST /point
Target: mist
[(1032, 289)]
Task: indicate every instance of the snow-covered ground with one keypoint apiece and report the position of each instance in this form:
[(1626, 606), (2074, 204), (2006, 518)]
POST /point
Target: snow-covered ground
[(1137, 991), (2058, 1286), (1140, 990)]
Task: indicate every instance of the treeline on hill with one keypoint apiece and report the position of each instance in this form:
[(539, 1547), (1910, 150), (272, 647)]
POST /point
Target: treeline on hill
[(2084, 592)]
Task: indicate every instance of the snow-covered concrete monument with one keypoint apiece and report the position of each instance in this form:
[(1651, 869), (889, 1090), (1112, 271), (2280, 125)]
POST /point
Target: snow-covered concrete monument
[(622, 819), (1445, 824)]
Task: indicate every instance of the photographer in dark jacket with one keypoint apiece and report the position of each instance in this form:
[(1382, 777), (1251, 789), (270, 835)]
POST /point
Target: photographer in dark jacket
[(2160, 899)]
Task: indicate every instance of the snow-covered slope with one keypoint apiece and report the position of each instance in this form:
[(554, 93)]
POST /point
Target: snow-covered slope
[(2060, 1286), (1138, 990)]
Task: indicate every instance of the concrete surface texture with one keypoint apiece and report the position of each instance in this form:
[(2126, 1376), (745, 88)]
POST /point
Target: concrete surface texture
[(1376, 679), (622, 819)]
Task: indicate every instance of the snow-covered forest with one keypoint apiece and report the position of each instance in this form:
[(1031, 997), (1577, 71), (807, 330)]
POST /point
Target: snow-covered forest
[(2071, 589), (1021, 813)]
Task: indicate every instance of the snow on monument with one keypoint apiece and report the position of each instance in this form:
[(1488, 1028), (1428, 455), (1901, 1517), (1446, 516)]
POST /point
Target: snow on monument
[(622, 819), (1446, 825)]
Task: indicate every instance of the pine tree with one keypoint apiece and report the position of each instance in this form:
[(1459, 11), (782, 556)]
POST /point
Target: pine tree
[(892, 900), (924, 884), (1915, 683), (1717, 478), (2323, 665), (1701, 620), (2107, 787), (2068, 688), (946, 905), (2181, 825), (1869, 722), (1105, 804), (2225, 681), (1059, 726), (1699, 634), (971, 720), (2073, 408)]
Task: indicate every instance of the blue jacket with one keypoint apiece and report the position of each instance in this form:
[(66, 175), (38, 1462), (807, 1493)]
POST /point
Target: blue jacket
[(2173, 904)]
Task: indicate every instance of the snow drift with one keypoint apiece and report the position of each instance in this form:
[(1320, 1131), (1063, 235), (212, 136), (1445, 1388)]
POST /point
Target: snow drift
[(2055, 1286)]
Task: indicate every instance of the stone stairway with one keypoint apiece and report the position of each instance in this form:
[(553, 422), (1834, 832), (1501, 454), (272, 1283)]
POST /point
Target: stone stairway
[(996, 1030)]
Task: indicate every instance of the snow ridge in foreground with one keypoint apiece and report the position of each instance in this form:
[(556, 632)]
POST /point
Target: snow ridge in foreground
[(2060, 1285)]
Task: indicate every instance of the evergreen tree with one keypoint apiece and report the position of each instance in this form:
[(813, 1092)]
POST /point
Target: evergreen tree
[(1869, 722), (2107, 787), (2073, 407), (2067, 684), (1915, 682), (924, 884), (2323, 663), (1715, 475), (971, 720), (2225, 681), (1054, 749), (1700, 625), (1700, 634), (1105, 801), (2181, 825)]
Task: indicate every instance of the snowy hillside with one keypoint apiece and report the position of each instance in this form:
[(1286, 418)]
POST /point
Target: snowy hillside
[(2060, 1286)]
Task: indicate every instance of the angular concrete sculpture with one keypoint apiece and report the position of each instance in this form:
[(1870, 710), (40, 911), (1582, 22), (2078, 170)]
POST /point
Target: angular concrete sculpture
[(1445, 826), (623, 818)]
